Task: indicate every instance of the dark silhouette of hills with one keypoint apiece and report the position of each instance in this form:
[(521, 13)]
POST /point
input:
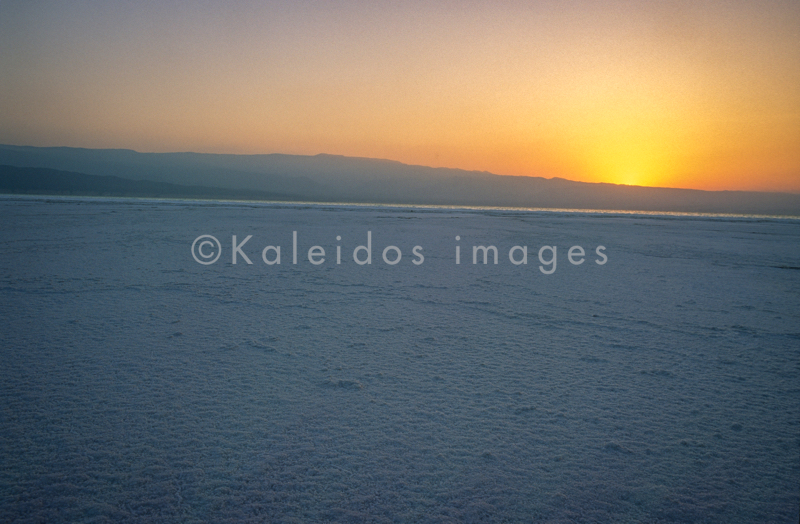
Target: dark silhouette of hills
[(330, 178), (44, 181)]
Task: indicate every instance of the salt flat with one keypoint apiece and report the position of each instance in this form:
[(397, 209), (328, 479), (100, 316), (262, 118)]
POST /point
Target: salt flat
[(139, 385)]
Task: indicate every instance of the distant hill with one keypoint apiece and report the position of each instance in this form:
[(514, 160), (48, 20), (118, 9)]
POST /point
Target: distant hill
[(44, 181), (332, 178)]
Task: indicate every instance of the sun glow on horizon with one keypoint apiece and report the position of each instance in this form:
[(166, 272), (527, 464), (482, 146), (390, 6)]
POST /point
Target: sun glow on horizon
[(696, 94)]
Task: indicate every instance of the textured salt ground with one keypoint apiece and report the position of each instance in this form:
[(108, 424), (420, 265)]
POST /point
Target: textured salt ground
[(138, 385)]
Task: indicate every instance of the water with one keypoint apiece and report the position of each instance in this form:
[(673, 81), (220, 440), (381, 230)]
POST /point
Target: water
[(138, 385)]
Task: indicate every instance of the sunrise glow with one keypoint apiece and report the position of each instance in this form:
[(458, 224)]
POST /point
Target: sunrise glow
[(678, 94)]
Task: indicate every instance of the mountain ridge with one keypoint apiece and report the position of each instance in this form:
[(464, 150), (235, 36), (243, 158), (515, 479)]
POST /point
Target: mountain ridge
[(338, 178)]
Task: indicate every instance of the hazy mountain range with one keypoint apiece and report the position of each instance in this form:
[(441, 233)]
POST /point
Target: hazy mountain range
[(329, 178)]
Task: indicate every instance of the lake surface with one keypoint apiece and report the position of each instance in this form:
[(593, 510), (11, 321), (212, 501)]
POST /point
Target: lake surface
[(138, 385)]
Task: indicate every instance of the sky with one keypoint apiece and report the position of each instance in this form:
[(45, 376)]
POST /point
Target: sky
[(694, 94)]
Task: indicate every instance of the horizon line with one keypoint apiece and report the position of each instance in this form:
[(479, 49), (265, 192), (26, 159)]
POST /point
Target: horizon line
[(388, 160), (294, 203)]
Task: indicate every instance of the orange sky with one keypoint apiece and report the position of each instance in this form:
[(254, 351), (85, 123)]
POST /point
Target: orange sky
[(681, 94)]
